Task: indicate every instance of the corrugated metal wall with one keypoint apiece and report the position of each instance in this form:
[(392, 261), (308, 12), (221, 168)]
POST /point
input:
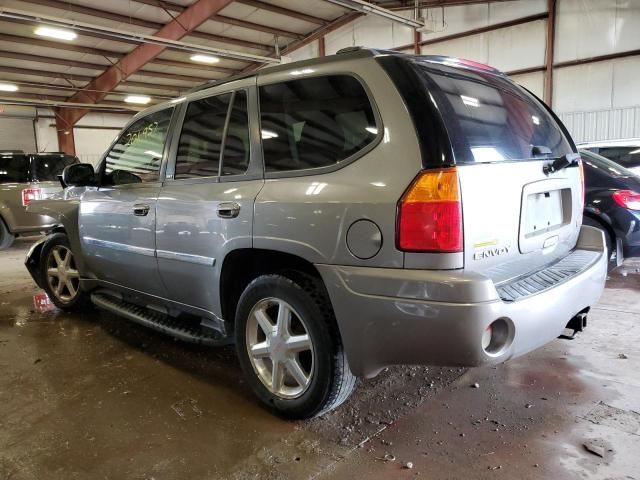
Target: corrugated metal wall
[(603, 124)]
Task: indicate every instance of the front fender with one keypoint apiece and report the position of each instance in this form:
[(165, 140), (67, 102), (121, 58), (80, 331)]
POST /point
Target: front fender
[(65, 208), (32, 261)]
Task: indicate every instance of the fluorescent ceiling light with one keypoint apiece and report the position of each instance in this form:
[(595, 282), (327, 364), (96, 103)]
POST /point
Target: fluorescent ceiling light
[(57, 33), (372, 130), (304, 71), (367, 7), (8, 87), (471, 101), (267, 134), (200, 58), (141, 99)]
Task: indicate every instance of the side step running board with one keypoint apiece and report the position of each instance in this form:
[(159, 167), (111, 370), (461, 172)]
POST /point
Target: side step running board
[(180, 329)]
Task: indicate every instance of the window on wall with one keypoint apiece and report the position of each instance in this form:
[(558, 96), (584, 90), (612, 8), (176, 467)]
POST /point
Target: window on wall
[(137, 155), (204, 142), (314, 122)]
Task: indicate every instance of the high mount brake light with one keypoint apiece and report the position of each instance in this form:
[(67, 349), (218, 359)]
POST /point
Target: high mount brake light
[(627, 199), (430, 213)]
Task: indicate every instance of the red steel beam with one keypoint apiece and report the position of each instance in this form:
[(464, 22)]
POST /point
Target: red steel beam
[(551, 39), (197, 13)]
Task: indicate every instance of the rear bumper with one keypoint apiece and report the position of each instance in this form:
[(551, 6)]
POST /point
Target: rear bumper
[(392, 316)]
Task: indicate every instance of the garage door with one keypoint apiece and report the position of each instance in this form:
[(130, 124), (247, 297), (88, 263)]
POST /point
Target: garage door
[(17, 134)]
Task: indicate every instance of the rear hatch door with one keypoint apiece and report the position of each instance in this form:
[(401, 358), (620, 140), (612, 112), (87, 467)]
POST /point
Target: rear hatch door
[(516, 214)]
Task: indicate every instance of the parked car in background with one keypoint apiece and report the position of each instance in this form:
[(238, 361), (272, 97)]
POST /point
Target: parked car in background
[(333, 217), (624, 152), (613, 204), (25, 177)]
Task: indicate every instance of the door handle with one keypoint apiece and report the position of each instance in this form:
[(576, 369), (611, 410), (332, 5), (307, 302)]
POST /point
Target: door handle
[(140, 210), (228, 210)]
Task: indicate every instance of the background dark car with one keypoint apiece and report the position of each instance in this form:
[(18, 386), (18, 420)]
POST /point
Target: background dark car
[(613, 203)]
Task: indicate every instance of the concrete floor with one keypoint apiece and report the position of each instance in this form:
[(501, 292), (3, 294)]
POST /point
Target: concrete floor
[(96, 397)]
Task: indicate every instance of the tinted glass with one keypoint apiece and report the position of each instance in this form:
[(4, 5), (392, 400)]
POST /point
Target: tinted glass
[(626, 156), (14, 169), (236, 145), (489, 119), (137, 155), (314, 122), (48, 167), (605, 165), (201, 138)]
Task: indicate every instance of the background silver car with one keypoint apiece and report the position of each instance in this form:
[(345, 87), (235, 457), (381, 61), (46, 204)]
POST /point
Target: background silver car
[(25, 177), (333, 217)]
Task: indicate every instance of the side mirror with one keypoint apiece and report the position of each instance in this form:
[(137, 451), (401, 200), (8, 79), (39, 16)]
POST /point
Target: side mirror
[(78, 175)]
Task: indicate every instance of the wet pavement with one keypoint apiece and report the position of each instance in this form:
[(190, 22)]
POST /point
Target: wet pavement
[(93, 396)]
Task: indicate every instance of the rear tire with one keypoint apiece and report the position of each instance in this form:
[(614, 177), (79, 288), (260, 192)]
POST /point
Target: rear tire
[(297, 366), (60, 275), (6, 237)]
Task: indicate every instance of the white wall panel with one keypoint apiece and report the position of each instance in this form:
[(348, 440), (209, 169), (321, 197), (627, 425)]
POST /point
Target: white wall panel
[(305, 52), (474, 48), (583, 88), (603, 125), (531, 81), (521, 46), (458, 19), (626, 73), (500, 12), (588, 28)]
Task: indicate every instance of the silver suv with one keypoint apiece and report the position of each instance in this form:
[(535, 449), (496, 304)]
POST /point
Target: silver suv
[(334, 217), (25, 177)]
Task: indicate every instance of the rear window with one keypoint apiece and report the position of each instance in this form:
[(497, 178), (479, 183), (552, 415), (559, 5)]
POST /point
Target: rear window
[(48, 167), (628, 157), (605, 165), (489, 119), (14, 169)]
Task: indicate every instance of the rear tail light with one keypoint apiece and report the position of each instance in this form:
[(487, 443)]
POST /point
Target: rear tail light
[(430, 213), (30, 194), (627, 199)]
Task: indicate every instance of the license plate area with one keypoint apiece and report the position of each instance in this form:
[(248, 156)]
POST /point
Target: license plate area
[(546, 212)]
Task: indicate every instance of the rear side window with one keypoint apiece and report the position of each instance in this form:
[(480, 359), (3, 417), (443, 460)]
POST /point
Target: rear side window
[(215, 130), (628, 157), (489, 119), (48, 167), (14, 169), (314, 122)]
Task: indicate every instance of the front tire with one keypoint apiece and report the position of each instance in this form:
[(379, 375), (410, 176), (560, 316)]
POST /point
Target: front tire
[(6, 237), (289, 346), (61, 278)]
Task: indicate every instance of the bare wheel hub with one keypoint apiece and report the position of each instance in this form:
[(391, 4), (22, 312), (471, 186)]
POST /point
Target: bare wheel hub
[(280, 348)]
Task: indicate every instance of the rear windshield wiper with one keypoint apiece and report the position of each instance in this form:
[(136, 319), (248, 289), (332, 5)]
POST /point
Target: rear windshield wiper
[(566, 161)]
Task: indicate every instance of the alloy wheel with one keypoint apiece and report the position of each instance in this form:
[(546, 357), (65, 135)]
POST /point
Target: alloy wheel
[(62, 275), (280, 348)]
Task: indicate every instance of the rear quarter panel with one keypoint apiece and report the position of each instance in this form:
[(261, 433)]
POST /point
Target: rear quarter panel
[(15, 215), (310, 215)]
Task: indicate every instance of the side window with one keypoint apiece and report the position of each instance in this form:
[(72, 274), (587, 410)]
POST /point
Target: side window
[(203, 142), (201, 138), (137, 155), (314, 122), (235, 159)]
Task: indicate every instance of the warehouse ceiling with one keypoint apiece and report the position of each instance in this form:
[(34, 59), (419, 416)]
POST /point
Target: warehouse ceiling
[(51, 71)]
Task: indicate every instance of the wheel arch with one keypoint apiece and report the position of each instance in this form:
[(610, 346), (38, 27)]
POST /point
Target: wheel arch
[(243, 265)]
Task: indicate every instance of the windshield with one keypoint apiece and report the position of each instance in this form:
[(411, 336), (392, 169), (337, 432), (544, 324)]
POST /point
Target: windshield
[(48, 167), (490, 119), (626, 156), (607, 166), (13, 169)]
